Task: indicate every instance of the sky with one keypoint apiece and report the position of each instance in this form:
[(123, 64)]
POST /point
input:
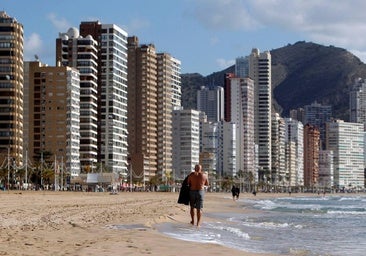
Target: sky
[(205, 35)]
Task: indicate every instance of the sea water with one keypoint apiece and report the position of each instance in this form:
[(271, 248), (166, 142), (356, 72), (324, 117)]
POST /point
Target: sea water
[(311, 225)]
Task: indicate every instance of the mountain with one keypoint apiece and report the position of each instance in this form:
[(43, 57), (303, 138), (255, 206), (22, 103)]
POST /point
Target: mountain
[(302, 73)]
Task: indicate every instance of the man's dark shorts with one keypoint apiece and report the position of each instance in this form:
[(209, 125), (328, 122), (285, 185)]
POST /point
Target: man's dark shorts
[(196, 199)]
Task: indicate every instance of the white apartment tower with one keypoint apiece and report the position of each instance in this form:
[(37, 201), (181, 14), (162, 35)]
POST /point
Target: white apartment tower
[(346, 140), (260, 72), (209, 144), (211, 101), (242, 114), (73, 50), (294, 140), (226, 161), (112, 93), (326, 169), (186, 141), (278, 173)]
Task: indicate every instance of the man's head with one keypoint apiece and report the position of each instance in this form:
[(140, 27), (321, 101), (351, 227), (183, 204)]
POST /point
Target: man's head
[(197, 168)]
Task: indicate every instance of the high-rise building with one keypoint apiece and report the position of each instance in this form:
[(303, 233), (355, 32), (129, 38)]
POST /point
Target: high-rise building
[(278, 172), (169, 98), (317, 114), (241, 112), (260, 72), (311, 155), (357, 101), (209, 146), (154, 89), (227, 96), (11, 89), (112, 93), (211, 101), (326, 169), (226, 160), (186, 138), (242, 67), (81, 53), (298, 114), (54, 114), (294, 139), (142, 108), (346, 140)]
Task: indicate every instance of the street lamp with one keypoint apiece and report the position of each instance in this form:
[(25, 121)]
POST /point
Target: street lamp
[(8, 167)]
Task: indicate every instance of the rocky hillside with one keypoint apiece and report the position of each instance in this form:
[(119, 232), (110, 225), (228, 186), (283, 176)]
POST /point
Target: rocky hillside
[(302, 73)]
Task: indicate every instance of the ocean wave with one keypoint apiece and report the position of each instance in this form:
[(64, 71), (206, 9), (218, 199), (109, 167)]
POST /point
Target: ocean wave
[(232, 230), (266, 224), (357, 212), (355, 198)]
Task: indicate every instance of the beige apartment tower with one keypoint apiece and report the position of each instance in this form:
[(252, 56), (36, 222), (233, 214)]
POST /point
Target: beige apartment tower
[(142, 109), (169, 98), (154, 91), (54, 114), (11, 89)]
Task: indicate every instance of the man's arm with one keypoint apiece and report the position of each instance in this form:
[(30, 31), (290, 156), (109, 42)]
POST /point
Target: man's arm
[(206, 182)]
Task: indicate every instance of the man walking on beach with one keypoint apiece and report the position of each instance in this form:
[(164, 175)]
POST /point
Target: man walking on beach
[(197, 180)]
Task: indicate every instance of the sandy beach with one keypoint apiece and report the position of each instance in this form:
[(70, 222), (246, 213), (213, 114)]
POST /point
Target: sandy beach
[(82, 223)]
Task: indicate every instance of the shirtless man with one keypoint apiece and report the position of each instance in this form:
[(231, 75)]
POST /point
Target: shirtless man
[(197, 180)]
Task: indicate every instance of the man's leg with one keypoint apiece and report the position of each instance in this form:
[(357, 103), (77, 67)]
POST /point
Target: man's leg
[(199, 213), (192, 215)]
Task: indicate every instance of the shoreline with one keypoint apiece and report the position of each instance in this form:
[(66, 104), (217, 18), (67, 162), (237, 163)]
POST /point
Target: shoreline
[(100, 223)]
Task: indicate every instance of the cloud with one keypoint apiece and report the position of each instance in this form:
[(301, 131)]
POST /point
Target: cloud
[(222, 63), (61, 24), (137, 24), (222, 14), (214, 40), (334, 22), (32, 45), (329, 22)]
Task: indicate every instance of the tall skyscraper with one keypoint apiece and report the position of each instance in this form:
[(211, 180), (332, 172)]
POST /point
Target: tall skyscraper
[(169, 98), (317, 114), (142, 108), (260, 72), (357, 101), (154, 89), (81, 53), (211, 101), (11, 89), (112, 93), (278, 173), (54, 114), (241, 110), (311, 155), (242, 67), (346, 140), (294, 139)]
